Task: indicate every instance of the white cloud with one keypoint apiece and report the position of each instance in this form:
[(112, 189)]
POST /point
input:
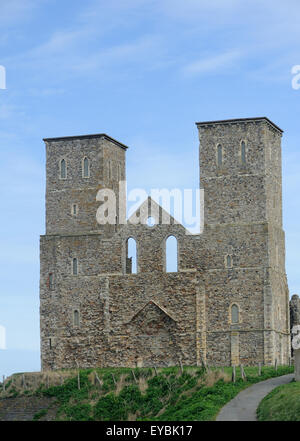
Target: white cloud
[(61, 42), (211, 64), (131, 53), (51, 91), (70, 52), (195, 9), (13, 11), (268, 24)]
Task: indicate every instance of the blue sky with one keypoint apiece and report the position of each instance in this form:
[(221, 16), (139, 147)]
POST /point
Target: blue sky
[(142, 71)]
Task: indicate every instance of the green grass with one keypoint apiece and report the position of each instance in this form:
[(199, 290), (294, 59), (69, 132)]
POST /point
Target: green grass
[(168, 396), (282, 404), (40, 414)]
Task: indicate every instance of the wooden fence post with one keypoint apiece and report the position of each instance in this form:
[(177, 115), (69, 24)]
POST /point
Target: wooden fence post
[(181, 367), (78, 379), (276, 364), (155, 370), (98, 379), (243, 373), (259, 369), (203, 364), (133, 374), (78, 375), (233, 374)]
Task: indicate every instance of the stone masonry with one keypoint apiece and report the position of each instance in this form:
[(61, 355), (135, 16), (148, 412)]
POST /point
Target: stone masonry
[(294, 311), (294, 315), (227, 304)]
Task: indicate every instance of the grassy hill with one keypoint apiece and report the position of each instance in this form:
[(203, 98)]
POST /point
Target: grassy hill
[(282, 404), (114, 394)]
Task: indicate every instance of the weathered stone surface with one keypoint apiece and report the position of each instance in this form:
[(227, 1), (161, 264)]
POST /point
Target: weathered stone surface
[(154, 317), (297, 364), (295, 310)]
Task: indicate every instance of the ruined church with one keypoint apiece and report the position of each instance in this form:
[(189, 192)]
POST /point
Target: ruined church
[(228, 301)]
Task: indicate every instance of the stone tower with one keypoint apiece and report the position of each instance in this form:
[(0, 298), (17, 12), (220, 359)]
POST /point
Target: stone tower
[(77, 167), (228, 301), (240, 172)]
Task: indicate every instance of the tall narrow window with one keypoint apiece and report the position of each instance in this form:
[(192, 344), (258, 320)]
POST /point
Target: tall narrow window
[(229, 261), (243, 152), (219, 155), (86, 168), (75, 267), (234, 314), (76, 317), (131, 256), (63, 169), (171, 255), (51, 284), (74, 209)]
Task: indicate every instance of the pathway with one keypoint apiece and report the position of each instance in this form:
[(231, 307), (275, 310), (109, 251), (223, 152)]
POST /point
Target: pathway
[(243, 406), (24, 408)]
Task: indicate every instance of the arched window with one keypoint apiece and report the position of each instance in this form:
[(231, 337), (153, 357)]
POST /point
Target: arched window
[(75, 266), (63, 169), (234, 314), (219, 155), (131, 256), (51, 281), (74, 209), (85, 168), (243, 152), (171, 255), (76, 317), (229, 261)]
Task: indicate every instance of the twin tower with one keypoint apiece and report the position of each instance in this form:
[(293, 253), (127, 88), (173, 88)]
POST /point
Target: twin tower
[(228, 301)]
